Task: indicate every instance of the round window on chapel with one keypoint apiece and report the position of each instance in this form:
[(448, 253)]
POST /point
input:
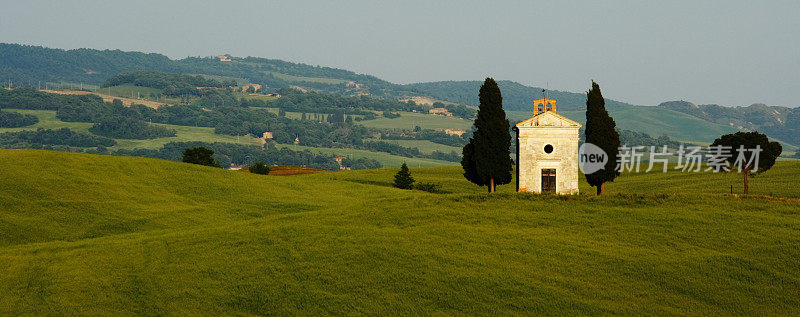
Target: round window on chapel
[(548, 149)]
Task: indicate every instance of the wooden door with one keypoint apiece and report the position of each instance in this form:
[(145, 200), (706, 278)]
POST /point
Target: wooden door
[(549, 180)]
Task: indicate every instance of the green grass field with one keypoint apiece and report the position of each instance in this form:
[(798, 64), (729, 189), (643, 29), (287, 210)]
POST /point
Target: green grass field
[(385, 159), (295, 79), (129, 91), (99, 235), (408, 120), (425, 146), (48, 120)]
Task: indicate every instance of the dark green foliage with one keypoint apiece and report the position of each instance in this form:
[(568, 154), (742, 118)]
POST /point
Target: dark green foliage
[(601, 131), (23, 63), (172, 84), (200, 155), (228, 153), (390, 115), (487, 157), (749, 141), (41, 137), (452, 156), (428, 187), (30, 98), (515, 95), (403, 179), (16, 120), (425, 134), (336, 117), (633, 138), (391, 148), (766, 158), (362, 163), (259, 168), (468, 165), (320, 102), (129, 128)]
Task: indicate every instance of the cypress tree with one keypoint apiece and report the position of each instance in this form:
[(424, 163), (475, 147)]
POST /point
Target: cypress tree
[(403, 178), (487, 158), (601, 130)]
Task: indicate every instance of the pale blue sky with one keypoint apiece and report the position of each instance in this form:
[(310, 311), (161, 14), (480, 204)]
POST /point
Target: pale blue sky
[(643, 52)]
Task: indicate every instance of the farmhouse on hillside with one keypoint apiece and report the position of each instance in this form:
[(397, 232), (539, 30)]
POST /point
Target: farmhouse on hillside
[(547, 151)]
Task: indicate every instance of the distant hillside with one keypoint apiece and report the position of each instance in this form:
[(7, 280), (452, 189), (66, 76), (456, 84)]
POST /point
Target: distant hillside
[(515, 95), (26, 64), (778, 122), (30, 64)]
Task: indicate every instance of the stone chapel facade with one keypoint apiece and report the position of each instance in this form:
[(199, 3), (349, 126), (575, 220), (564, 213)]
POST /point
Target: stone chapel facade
[(547, 151)]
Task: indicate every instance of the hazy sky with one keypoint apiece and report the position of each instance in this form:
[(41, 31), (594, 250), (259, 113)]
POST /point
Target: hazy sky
[(643, 52)]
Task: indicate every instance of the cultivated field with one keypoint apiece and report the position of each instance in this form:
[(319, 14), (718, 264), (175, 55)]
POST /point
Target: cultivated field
[(408, 120), (48, 120), (101, 235)]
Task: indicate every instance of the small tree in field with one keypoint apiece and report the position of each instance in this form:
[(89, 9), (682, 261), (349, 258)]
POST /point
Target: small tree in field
[(200, 155), (259, 168), (403, 178), (486, 158), (601, 131), (751, 153)]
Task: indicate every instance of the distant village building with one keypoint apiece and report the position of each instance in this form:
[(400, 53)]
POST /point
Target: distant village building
[(224, 58), (274, 94), (547, 151), (440, 111)]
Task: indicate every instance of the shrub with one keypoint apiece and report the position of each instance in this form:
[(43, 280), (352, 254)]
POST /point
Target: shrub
[(428, 187), (391, 115), (259, 168), (200, 155), (129, 128), (41, 137), (16, 120)]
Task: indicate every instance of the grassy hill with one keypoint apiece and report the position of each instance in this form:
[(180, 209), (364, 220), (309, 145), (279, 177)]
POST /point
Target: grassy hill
[(516, 96), (30, 64), (48, 120), (87, 234)]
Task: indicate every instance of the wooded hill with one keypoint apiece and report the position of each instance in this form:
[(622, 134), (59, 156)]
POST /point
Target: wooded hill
[(30, 64)]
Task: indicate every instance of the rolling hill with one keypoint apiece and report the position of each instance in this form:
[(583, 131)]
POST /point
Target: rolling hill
[(31, 64), (101, 235), (516, 96)]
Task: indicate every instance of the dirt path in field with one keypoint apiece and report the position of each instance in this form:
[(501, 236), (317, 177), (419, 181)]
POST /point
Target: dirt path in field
[(107, 98)]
